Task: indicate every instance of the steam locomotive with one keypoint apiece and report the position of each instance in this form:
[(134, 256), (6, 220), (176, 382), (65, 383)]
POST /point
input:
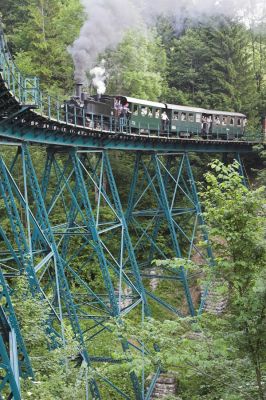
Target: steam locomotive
[(153, 118)]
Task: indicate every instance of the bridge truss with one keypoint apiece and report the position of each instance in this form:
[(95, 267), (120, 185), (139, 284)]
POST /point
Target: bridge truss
[(68, 225)]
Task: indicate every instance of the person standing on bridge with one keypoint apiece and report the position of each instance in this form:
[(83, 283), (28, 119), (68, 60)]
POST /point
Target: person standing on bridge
[(165, 121)]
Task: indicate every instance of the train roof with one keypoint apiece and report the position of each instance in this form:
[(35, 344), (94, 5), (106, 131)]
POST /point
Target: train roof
[(185, 108), (203, 110), (230, 113), (143, 102), (180, 108)]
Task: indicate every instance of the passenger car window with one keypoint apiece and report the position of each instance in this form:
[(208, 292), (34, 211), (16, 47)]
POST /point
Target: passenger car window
[(144, 111), (224, 121), (157, 113), (150, 113), (198, 117), (175, 115), (183, 116), (231, 121), (135, 109), (238, 121), (191, 117)]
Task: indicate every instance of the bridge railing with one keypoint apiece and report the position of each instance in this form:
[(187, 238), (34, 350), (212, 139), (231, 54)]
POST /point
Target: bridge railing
[(61, 111), (25, 89), (51, 107), (57, 109)]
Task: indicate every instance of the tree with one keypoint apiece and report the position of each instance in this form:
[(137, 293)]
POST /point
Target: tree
[(136, 67), (188, 69), (41, 37), (220, 357), (56, 375), (236, 216), (232, 81), (210, 65)]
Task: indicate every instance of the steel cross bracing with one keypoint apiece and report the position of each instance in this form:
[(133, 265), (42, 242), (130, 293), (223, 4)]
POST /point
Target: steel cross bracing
[(24, 247), (8, 385), (17, 362), (91, 229), (68, 229), (35, 237), (164, 204)]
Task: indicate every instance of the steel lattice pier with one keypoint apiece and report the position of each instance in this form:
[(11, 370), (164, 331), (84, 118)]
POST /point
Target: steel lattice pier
[(68, 222)]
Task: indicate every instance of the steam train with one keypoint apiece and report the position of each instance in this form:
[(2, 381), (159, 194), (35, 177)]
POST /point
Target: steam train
[(154, 118)]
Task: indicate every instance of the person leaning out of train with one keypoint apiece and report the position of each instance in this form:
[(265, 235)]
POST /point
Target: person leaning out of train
[(126, 110), (209, 124), (165, 120), (144, 111), (203, 122), (126, 113), (88, 122), (204, 125), (118, 107)]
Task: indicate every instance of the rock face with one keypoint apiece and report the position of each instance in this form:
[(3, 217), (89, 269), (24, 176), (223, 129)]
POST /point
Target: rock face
[(126, 298), (154, 282), (216, 301), (166, 385)]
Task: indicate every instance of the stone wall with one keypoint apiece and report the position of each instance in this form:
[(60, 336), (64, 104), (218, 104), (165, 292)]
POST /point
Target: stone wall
[(166, 385)]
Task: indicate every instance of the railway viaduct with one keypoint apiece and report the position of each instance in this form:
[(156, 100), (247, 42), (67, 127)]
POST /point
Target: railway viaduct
[(63, 210)]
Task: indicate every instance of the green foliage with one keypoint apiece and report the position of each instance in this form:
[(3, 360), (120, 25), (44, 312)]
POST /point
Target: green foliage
[(56, 376), (40, 38), (137, 66), (176, 263), (215, 65), (236, 216), (261, 173), (218, 357)]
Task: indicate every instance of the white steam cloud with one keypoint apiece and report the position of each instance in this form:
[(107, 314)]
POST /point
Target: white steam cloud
[(108, 20), (99, 77)]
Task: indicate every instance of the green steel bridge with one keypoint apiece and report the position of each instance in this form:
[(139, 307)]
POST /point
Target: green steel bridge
[(63, 211)]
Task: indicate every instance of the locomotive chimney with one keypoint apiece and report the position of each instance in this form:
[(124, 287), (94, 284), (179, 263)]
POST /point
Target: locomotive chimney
[(78, 89)]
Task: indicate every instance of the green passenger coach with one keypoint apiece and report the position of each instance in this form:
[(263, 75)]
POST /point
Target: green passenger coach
[(190, 121), (185, 121), (144, 116), (138, 116)]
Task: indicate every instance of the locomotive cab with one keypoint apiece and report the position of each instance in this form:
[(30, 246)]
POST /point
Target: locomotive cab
[(90, 111)]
